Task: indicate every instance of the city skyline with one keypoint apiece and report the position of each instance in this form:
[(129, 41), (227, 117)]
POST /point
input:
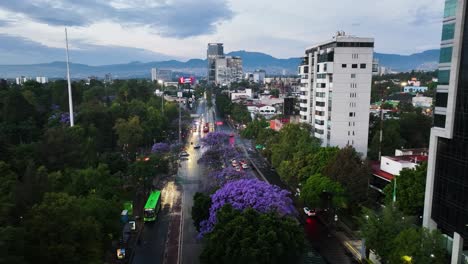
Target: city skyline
[(174, 30)]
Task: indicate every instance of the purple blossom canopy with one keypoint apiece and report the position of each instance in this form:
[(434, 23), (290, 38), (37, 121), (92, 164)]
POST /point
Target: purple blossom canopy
[(217, 155), (248, 193), (214, 139), (160, 148), (227, 174)]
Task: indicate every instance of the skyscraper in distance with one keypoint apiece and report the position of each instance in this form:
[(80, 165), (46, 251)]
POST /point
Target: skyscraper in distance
[(214, 51)]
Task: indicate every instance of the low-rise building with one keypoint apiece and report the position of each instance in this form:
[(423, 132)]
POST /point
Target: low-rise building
[(389, 167), (422, 101), (242, 94)]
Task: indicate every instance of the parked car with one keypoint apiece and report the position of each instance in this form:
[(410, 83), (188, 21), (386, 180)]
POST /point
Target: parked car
[(245, 166), (184, 154), (235, 164), (309, 212), (197, 146), (238, 168)]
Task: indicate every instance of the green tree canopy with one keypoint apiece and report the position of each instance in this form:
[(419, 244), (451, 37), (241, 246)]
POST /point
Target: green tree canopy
[(201, 208), (410, 190), (421, 244), (381, 228), (251, 237), (348, 169), (316, 187)]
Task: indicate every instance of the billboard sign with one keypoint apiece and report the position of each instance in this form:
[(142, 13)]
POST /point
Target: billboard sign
[(186, 80)]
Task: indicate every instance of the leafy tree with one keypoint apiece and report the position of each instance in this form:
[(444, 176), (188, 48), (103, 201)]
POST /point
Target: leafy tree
[(415, 129), (381, 228), (60, 232), (66, 146), (350, 171), (291, 140), (391, 140), (421, 244), (275, 92), (313, 191), (7, 192), (410, 190), (240, 113), (200, 209), (253, 128), (252, 237), (130, 134)]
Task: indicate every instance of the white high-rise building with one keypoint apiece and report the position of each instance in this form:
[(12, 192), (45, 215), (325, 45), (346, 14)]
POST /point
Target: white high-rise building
[(154, 74), (42, 79), (336, 78)]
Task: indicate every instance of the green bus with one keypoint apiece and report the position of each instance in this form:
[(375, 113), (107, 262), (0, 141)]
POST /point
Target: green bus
[(152, 206)]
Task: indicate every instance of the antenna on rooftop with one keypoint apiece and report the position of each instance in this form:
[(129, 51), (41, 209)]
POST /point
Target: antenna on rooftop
[(70, 101)]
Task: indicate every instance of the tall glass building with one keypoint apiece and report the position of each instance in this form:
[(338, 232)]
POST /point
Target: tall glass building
[(446, 200)]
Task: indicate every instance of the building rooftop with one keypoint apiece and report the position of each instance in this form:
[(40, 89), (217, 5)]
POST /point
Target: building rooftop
[(376, 171), (408, 158)]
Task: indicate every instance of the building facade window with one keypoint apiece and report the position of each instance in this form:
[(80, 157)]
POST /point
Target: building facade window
[(320, 104), (321, 95), (354, 66), (363, 66), (439, 120), (448, 31), (344, 65), (444, 77), (353, 75), (450, 8), (445, 55), (321, 76), (441, 99)]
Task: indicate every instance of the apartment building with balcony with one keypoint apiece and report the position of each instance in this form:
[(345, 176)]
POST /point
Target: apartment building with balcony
[(335, 90)]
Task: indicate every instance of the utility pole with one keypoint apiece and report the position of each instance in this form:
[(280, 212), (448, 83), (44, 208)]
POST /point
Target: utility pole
[(381, 122), (179, 96), (70, 100), (162, 97)]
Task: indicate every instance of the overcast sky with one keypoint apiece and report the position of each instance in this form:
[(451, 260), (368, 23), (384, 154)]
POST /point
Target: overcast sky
[(125, 30)]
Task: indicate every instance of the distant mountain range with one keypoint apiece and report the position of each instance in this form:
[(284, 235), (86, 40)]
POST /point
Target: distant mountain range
[(426, 60)]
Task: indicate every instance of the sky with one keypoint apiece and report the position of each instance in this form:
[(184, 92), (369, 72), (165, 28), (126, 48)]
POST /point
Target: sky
[(118, 31)]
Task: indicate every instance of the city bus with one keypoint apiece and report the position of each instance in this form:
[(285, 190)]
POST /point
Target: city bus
[(152, 206)]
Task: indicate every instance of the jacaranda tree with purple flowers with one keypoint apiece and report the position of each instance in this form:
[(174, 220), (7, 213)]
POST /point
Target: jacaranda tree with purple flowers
[(215, 139), (226, 175), (160, 148), (215, 157), (249, 193)]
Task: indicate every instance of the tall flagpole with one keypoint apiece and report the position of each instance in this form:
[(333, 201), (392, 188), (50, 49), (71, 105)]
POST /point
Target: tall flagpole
[(70, 101)]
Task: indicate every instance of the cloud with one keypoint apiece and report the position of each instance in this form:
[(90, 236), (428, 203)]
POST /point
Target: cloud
[(179, 19), (19, 50)]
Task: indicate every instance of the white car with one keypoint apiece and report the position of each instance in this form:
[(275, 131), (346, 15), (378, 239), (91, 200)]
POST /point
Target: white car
[(309, 212), (238, 168), (184, 154), (245, 166), (235, 164)]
